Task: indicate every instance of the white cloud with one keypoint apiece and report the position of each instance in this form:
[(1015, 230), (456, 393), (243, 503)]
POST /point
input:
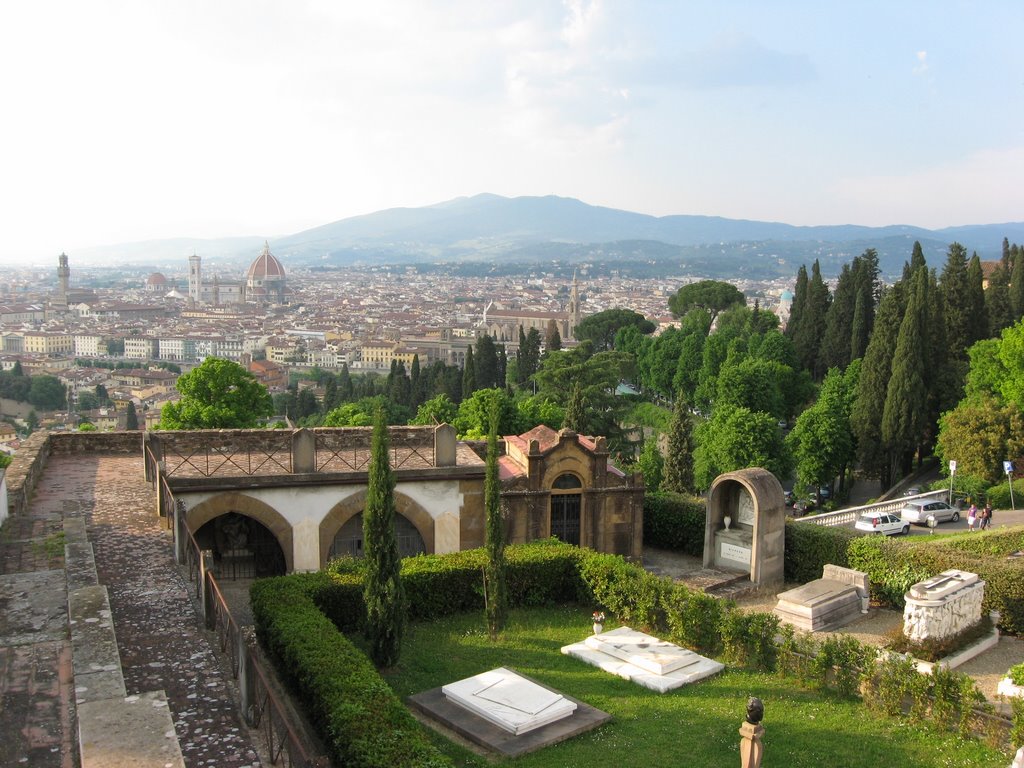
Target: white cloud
[(922, 63)]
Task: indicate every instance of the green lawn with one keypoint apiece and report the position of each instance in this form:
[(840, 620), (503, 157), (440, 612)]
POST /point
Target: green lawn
[(691, 727)]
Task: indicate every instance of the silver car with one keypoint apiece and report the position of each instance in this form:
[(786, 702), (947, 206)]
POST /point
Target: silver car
[(918, 512)]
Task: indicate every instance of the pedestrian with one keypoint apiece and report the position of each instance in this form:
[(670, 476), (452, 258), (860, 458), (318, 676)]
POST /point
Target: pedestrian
[(972, 514), (988, 514), (982, 518)]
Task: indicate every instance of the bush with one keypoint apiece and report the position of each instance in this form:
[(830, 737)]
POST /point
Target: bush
[(749, 639), (354, 710), (843, 661), (998, 495), (675, 521), (694, 619), (810, 547)]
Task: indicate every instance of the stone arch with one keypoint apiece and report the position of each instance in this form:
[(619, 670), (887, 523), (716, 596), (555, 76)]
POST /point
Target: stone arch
[(566, 463), (262, 512), (352, 505)]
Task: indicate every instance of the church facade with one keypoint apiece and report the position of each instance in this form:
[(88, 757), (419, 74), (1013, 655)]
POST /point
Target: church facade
[(265, 282)]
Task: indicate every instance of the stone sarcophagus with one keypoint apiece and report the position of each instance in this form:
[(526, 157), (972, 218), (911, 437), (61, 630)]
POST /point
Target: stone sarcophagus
[(943, 605)]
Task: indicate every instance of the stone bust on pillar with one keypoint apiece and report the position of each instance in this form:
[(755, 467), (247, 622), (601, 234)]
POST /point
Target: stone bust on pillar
[(751, 733)]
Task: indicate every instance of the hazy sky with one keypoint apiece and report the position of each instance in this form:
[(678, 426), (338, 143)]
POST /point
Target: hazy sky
[(135, 120)]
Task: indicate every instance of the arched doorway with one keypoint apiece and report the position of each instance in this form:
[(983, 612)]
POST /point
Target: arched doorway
[(566, 507), (243, 548), (349, 539)]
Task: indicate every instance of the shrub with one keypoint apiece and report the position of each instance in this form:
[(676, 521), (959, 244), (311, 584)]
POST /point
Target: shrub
[(694, 619), (749, 639), (354, 710), (843, 661), (1016, 674), (810, 547), (675, 521), (998, 495)]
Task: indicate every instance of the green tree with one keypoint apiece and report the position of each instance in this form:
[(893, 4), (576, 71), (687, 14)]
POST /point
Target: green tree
[(16, 369), (978, 315), (903, 416), (799, 304), (737, 438), (998, 308), (957, 302), (131, 417), (437, 410), (552, 338), (679, 459), (866, 278), (1017, 288), (651, 463), (32, 421), (979, 435), (47, 393), (821, 441), (474, 416), (601, 328), (869, 403), (836, 343), (485, 360), (535, 409), (807, 338), (575, 411), (710, 295), (383, 592), (753, 384), (528, 354), (306, 404), (495, 589), (469, 374), (102, 395), (219, 394), (87, 401)]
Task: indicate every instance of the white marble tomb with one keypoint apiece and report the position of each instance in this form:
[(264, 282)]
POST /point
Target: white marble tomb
[(508, 700)]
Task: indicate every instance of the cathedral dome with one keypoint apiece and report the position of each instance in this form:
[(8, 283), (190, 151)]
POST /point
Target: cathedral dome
[(265, 267), (156, 280)]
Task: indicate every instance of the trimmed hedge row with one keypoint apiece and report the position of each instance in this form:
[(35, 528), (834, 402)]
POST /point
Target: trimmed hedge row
[(675, 521), (810, 547), (360, 719)]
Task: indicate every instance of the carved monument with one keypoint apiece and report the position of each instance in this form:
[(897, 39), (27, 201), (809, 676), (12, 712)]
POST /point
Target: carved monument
[(746, 525)]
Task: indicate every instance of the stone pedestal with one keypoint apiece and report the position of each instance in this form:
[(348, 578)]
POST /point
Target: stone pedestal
[(943, 606), (751, 747)]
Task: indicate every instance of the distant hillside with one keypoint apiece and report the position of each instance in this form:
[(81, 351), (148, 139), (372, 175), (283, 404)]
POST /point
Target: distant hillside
[(487, 227)]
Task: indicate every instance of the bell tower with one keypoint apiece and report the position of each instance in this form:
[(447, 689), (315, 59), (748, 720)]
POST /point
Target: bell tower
[(195, 279), (574, 306), (63, 276)]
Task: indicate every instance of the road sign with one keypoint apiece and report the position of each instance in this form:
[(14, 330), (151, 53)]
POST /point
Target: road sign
[(952, 466), (1008, 467)]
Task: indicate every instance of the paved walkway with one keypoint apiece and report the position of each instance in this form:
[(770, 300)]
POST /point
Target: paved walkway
[(161, 644)]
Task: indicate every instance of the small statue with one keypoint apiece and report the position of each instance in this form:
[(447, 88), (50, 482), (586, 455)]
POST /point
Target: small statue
[(755, 710)]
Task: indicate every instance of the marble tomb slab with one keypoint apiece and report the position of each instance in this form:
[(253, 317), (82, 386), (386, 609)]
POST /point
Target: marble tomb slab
[(643, 659), (819, 606), (509, 700)]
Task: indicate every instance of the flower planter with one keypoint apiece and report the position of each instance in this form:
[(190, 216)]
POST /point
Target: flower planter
[(598, 628)]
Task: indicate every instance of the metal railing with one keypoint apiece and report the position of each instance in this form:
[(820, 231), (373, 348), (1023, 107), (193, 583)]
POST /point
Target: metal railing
[(850, 514)]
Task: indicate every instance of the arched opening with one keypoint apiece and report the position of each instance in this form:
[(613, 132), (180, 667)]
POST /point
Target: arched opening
[(243, 548), (349, 539), (566, 507)]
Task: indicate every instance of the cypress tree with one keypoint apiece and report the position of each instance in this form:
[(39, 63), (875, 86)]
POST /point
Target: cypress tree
[(957, 301), (552, 338), (468, 375), (836, 342), (796, 310), (978, 317), (905, 398), (485, 360), (807, 338), (416, 382), (574, 410), (679, 461), (866, 413), (495, 589), (865, 270), (382, 591), (502, 366), (1017, 284), (998, 309), (131, 417)]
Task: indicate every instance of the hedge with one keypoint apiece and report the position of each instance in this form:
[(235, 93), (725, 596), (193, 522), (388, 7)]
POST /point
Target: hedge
[(360, 719), (810, 547), (675, 521)]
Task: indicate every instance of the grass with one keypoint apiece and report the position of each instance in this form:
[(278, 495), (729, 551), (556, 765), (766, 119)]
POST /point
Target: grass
[(695, 726)]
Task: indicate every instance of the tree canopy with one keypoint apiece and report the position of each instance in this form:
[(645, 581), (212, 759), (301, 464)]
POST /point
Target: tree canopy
[(710, 295), (600, 328), (219, 394)]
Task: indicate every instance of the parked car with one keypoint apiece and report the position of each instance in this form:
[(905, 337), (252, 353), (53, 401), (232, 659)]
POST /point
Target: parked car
[(912, 491), (803, 507), (886, 524), (789, 498), (918, 512)]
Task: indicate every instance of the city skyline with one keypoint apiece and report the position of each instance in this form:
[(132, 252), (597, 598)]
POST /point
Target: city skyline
[(142, 121)]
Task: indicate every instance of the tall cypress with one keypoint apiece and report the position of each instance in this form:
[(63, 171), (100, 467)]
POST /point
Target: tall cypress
[(485, 359), (978, 317), (495, 589), (468, 375), (807, 338), (679, 461), (997, 301), (1017, 284), (416, 382), (866, 278), (835, 343), (796, 309), (866, 413), (957, 301), (905, 397), (575, 414), (552, 338), (382, 589)]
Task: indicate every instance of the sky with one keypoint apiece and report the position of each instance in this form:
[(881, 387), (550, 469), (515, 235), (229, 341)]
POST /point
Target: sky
[(128, 120)]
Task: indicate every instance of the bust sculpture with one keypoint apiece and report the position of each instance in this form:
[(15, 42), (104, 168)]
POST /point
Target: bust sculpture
[(755, 710)]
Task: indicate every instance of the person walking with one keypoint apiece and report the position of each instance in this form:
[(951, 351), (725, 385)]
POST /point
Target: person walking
[(972, 515), (982, 518), (988, 515)]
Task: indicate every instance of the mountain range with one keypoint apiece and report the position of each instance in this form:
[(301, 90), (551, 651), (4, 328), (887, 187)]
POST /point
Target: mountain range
[(492, 228)]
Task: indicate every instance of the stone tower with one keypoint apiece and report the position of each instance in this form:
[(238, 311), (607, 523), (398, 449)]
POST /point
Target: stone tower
[(195, 278), (63, 276), (574, 306)]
